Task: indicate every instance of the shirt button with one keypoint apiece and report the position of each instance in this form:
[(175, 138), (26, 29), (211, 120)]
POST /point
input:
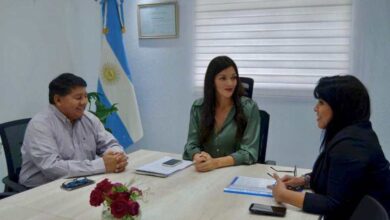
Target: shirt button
[(217, 150)]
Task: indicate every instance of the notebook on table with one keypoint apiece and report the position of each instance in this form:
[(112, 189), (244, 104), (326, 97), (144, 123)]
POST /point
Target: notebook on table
[(250, 186), (157, 168)]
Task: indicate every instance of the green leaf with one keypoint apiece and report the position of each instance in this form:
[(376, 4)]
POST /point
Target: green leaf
[(101, 111)]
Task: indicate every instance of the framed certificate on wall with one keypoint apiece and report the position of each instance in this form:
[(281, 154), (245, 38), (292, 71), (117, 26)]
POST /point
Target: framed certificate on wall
[(157, 20)]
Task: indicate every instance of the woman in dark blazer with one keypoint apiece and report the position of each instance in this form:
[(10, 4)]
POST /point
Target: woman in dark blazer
[(351, 163)]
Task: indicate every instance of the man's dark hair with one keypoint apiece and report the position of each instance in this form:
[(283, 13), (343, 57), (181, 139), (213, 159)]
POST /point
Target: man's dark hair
[(348, 99), (63, 84)]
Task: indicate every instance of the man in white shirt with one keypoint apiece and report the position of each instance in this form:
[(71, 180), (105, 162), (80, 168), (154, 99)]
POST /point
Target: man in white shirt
[(64, 140)]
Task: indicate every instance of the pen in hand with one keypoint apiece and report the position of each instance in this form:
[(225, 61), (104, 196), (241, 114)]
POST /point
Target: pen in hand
[(284, 171), (295, 170), (293, 188), (271, 186)]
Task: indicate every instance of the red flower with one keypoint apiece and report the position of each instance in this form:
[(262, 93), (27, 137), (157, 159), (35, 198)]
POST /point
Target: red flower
[(96, 198), (135, 190), (119, 195), (104, 186), (120, 199), (119, 208), (134, 208)]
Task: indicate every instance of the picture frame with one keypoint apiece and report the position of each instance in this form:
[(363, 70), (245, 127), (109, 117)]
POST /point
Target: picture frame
[(158, 20)]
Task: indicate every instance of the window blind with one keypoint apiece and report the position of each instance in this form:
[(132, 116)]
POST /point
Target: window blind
[(284, 45)]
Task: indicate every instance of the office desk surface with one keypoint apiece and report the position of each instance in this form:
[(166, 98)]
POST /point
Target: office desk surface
[(184, 195)]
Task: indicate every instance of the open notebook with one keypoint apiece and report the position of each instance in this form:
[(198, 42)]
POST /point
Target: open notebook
[(250, 186), (156, 168)]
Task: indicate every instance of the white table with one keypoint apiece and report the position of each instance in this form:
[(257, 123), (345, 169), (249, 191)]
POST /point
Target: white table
[(184, 195)]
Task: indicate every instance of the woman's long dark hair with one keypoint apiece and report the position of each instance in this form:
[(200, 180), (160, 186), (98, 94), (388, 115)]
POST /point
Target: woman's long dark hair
[(348, 99), (207, 123)]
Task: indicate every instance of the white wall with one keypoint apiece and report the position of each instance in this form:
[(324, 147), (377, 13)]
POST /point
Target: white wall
[(371, 58), (39, 40), (35, 48), (162, 73)]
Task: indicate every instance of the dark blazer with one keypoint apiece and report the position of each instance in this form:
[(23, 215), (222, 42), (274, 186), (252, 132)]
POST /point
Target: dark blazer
[(351, 165)]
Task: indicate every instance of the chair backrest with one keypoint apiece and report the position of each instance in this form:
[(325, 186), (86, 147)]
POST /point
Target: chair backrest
[(247, 83), (371, 209), (12, 135), (264, 125)]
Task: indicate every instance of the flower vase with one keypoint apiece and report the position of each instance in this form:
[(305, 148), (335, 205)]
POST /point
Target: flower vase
[(106, 214)]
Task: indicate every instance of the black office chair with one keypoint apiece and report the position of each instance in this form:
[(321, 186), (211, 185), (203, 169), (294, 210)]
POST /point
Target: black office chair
[(12, 135), (369, 208), (248, 83), (264, 125)]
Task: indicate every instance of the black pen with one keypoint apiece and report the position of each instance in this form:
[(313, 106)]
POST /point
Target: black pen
[(284, 171), (270, 175)]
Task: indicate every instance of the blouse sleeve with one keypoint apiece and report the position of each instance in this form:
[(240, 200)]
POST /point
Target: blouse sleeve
[(192, 146), (248, 147)]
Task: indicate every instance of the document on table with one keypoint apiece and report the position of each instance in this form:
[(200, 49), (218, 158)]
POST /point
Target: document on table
[(250, 186), (156, 168)]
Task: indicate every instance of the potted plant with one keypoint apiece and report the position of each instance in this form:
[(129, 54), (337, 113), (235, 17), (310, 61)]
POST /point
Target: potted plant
[(101, 111)]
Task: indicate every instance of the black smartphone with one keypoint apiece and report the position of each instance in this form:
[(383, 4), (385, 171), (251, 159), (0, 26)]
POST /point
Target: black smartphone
[(261, 209), (172, 162), (76, 183)]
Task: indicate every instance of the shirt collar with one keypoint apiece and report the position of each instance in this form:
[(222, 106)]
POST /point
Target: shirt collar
[(59, 114)]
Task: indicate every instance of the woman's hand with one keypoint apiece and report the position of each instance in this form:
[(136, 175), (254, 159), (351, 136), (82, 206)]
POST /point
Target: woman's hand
[(201, 157), (207, 165), (282, 194), (204, 162), (198, 158), (293, 181), (278, 189), (205, 155)]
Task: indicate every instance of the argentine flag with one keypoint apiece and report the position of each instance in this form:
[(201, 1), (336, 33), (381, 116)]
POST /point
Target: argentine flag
[(114, 81)]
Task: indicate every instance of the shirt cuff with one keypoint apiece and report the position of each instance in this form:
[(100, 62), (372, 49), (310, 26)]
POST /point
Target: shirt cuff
[(238, 158), (189, 154), (99, 166), (116, 148)]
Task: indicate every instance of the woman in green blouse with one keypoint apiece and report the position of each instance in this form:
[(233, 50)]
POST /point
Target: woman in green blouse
[(224, 125)]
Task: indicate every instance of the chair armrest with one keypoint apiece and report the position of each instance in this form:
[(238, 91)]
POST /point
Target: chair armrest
[(270, 162), (14, 186)]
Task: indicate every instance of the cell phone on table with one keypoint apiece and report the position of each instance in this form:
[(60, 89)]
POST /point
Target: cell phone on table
[(261, 209), (172, 162), (76, 183)]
